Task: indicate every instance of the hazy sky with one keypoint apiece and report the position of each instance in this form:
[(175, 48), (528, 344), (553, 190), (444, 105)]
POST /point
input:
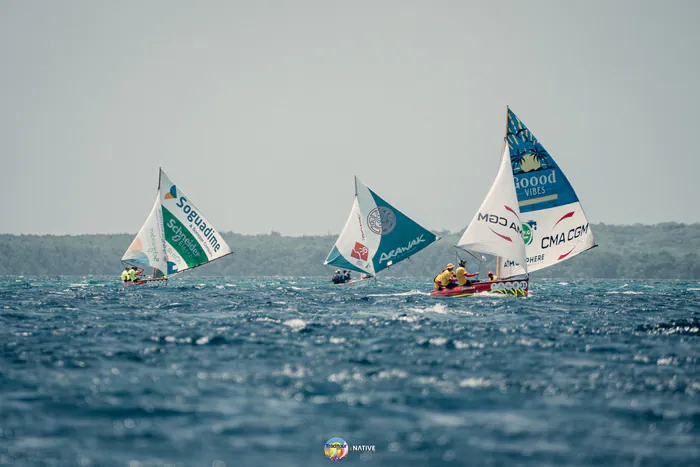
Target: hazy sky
[(262, 111)]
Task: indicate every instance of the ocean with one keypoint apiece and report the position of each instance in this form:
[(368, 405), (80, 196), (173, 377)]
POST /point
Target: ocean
[(256, 372)]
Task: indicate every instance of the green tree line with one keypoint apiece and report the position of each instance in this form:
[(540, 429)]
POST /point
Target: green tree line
[(662, 251)]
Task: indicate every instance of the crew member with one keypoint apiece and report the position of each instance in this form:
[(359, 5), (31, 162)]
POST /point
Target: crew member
[(125, 275), (491, 276), (462, 274), (132, 274), (444, 279)]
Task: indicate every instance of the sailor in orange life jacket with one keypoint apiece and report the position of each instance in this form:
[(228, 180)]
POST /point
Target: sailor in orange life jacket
[(446, 279), (462, 274)]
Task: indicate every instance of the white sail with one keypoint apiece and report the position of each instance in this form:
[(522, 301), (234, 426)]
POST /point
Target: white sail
[(148, 248), (376, 235), (191, 239), (496, 228), (555, 227)]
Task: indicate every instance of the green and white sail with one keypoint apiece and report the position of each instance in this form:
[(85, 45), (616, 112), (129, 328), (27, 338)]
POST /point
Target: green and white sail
[(376, 235), (176, 235)]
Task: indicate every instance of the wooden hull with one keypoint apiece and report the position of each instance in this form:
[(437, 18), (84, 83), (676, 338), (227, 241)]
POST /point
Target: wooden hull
[(515, 287)]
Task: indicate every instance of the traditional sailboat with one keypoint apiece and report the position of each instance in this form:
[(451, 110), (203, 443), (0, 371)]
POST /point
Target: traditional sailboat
[(175, 237), (376, 235), (544, 225)]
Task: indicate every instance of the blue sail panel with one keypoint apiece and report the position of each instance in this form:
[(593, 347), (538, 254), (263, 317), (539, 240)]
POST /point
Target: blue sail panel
[(335, 258), (539, 182), (401, 237)]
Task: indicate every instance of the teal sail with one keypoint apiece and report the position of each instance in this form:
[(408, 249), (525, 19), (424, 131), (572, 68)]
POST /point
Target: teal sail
[(401, 236), (376, 235)]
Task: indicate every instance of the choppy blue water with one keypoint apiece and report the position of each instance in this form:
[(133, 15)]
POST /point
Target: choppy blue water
[(224, 371)]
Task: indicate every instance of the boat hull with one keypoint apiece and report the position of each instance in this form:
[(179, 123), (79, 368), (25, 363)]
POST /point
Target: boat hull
[(355, 281), (143, 281), (515, 287)]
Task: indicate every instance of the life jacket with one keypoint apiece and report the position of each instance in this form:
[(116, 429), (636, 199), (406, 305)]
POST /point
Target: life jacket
[(125, 276), (132, 274)]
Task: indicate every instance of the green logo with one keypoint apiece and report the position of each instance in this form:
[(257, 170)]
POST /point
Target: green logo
[(527, 234)]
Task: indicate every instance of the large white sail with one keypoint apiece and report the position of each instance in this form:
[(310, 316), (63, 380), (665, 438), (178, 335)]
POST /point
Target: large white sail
[(148, 248), (555, 227), (191, 240), (376, 235), (496, 227)]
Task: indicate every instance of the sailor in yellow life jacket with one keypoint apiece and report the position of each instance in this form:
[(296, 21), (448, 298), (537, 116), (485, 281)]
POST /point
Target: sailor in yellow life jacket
[(462, 274), (125, 275), (445, 278), (491, 276), (132, 274)]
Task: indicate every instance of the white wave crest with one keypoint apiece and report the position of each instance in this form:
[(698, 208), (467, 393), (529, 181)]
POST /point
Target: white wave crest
[(399, 294)]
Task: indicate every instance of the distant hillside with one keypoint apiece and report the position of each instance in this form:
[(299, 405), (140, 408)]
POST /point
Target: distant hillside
[(663, 251)]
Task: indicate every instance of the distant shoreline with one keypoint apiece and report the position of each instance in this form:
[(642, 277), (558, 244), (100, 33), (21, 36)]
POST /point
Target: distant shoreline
[(660, 251)]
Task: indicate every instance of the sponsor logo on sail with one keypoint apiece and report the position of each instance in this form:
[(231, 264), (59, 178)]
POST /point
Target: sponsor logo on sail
[(402, 249), (381, 220), (197, 222), (528, 227), (564, 236), (171, 194), (534, 184), (362, 231), (502, 221), (360, 252)]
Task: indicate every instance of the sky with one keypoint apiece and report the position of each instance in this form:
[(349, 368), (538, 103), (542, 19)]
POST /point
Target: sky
[(262, 111)]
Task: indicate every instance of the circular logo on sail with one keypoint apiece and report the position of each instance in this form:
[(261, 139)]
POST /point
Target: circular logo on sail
[(528, 227), (527, 234), (381, 220), (335, 449)]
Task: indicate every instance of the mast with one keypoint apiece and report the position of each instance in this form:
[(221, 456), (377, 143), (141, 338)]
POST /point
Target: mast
[(505, 141)]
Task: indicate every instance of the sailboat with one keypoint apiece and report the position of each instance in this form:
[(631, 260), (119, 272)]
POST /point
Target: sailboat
[(376, 235), (546, 222), (495, 230), (175, 237)]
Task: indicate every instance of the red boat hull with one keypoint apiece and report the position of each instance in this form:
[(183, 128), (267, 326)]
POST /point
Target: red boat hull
[(514, 287), (143, 281), (134, 283)]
